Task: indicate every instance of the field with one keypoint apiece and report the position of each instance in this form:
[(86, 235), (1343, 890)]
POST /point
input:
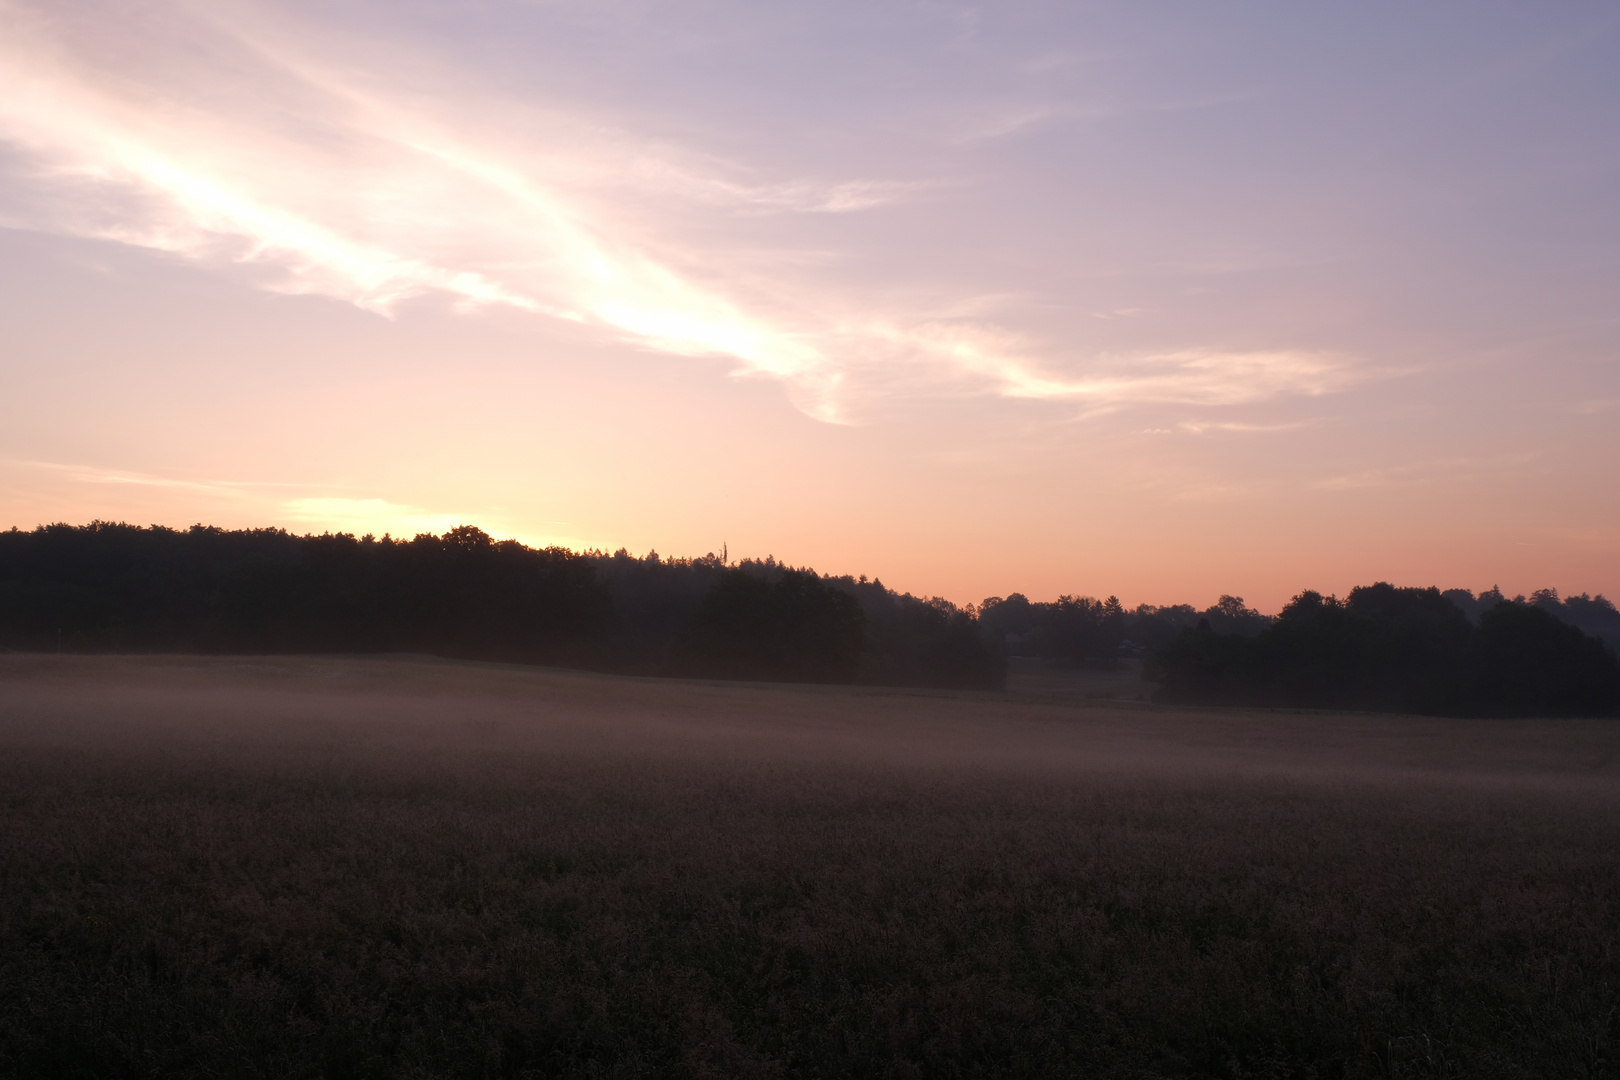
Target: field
[(403, 867)]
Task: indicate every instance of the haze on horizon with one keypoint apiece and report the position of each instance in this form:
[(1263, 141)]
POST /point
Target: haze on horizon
[(1044, 297)]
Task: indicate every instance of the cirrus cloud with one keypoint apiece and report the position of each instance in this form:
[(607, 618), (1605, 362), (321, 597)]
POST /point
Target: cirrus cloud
[(222, 135)]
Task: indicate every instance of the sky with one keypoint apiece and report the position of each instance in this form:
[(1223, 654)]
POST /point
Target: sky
[(1161, 301)]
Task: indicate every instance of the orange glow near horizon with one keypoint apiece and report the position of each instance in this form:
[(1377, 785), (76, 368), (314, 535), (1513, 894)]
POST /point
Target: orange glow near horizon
[(1074, 303)]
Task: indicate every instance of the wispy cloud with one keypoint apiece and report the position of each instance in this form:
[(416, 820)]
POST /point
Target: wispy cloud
[(90, 474), (1201, 427), (221, 135), (715, 187), (1412, 474), (1191, 377), (363, 199)]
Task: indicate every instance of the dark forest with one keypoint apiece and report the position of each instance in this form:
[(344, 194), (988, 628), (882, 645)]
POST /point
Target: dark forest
[(120, 588), (108, 587)]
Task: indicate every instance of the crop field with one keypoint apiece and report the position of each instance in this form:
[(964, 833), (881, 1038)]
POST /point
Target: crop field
[(402, 867)]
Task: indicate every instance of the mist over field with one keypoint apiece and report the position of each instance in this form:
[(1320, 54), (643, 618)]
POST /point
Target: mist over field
[(404, 866), (704, 538)]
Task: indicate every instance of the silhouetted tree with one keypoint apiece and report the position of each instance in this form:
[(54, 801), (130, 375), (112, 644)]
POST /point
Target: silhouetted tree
[(1076, 630), (1404, 650), (112, 586), (1008, 625), (1525, 662), (796, 628), (119, 587), (109, 587), (1079, 630), (913, 641)]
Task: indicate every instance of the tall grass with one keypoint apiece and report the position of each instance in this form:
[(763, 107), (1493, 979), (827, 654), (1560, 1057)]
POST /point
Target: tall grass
[(203, 877)]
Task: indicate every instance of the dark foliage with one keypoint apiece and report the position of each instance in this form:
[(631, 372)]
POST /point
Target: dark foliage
[(796, 628), (1525, 662), (1593, 614), (1398, 650), (1078, 631), (1075, 629), (113, 587), (912, 636), (907, 641), (653, 601)]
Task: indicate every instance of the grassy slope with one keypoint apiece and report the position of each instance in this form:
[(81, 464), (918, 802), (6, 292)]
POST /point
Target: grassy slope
[(397, 868)]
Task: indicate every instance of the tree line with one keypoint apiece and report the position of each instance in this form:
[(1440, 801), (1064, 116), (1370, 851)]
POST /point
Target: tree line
[(108, 587), (116, 587), (1079, 631), (1405, 650)]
